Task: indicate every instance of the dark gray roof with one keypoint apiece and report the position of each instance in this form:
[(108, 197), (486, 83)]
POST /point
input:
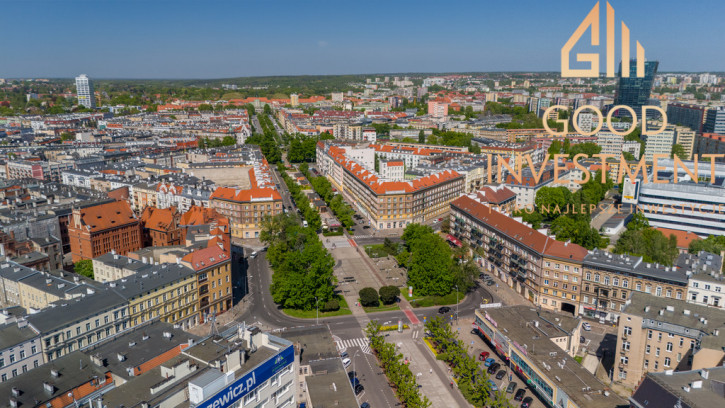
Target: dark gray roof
[(122, 262), (149, 279), (15, 272), (67, 312), (12, 334), (138, 346), (74, 368), (636, 266), (665, 389)]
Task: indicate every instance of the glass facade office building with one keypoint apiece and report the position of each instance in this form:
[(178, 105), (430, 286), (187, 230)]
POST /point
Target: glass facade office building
[(634, 92)]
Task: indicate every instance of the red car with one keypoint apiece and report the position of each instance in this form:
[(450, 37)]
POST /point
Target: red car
[(483, 356)]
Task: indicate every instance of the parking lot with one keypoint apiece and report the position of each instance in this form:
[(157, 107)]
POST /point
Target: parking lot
[(477, 345)]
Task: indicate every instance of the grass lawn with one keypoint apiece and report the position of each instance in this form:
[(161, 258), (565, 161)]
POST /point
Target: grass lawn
[(312, 314), (377, 251), (427, 301), (579, 359), (381, 308)]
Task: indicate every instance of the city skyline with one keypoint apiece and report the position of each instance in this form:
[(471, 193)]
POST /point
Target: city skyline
[(228, 41)]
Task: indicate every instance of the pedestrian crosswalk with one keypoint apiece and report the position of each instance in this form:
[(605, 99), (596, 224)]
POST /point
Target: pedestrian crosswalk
[(361, 342)]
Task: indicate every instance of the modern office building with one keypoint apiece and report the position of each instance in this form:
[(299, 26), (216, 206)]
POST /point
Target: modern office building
[(84, 91), (685, 206), (633, 91), (715, 121)]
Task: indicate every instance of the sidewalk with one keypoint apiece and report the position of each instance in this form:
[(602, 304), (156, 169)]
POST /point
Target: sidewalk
[(503, 293)]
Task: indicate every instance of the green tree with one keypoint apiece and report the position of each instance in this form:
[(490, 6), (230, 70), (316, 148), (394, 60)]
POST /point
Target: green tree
[(84, 268), (679, 151), (388, 294), (421, 136), (712, 244), (369, 297), (431, 266), (552, 201), (66, 136)]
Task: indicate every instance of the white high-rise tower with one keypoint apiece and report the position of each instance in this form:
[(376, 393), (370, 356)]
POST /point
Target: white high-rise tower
[(84, 90)]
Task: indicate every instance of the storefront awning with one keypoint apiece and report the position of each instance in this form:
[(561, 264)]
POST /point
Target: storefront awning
[(454, 240)]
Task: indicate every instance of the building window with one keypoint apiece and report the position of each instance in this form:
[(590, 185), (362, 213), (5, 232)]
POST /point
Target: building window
[(625, 345), (646, 364), (624, 360), (657, 351), (646, 350), (669, 346), (667, 361)]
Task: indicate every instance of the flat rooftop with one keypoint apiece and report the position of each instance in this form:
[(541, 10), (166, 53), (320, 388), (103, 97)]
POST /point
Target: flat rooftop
[(562, 370)]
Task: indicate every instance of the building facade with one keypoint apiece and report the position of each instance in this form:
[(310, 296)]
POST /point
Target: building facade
[(85, 92), (99, 229)]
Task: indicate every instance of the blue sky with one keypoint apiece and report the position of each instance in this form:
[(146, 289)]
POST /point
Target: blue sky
[(219, 39)]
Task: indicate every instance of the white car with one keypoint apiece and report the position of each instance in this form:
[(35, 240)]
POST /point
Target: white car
[(586, 326), (346, 362)]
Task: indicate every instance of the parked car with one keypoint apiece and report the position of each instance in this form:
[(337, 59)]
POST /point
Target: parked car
[(358, 389), (489, 361), (351, 375), (494, 387), (355, 382), (364, 405), (520, 394), (344, 354), (493, 368), (582, 339), (484, 355), (511, 387), (254, 255), (490, 282), (501, 374), (527, 402), (444, 310), (346, 362), (586, 326)]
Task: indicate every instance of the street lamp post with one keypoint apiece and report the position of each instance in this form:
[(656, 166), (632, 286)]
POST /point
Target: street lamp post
[(456, 304), (317, 307)]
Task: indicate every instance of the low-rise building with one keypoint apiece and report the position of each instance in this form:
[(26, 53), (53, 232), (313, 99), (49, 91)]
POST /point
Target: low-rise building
[(540, 350), (245, 209)]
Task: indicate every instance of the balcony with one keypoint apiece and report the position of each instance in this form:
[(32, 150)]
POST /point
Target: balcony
[(204, 302)]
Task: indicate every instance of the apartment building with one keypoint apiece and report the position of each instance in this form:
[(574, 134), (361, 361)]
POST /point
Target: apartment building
[(706, 284), (660, 334), (562, 276), (516, 253), (690, 115), (686, 137), (659, 144), (213, 280), (389, 204), (498, 197), (160, 226), (112, 266), (392, 170), (614, 144), (72, 325), (167, 292), (610, 279), (526, 186), (97, 230), (245, 209), (20, 349)]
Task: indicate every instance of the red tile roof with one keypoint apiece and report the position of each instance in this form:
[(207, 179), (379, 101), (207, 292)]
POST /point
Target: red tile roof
[(230, 194), (683, 237), (109, 215), (495, 195), (520, 232), (206, 258)]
